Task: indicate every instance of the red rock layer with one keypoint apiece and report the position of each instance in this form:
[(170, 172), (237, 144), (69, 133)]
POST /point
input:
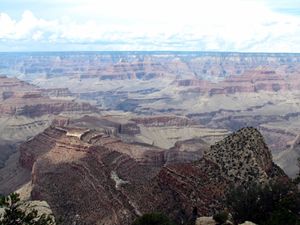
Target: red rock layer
[(103, 180), (21, 98), (251, 81)]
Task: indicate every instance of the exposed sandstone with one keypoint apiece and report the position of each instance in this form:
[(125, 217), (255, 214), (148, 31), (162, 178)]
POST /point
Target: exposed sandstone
[(21, 98), (205, 221), (251, 81), (100, 178)]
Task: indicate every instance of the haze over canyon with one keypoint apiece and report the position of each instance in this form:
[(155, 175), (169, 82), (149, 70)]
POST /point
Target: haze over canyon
[(110, 136)]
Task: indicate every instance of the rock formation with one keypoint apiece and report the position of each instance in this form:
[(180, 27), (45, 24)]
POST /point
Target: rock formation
[(250, 82), (88, 173), (25, 111), (217, 90), (161, 112), (21, 98), (163, 121), (243, 157)]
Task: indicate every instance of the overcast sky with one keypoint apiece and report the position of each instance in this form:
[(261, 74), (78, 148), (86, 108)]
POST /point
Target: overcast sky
[(191, 25)]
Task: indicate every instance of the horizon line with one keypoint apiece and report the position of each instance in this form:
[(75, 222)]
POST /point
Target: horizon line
[(149, 51)]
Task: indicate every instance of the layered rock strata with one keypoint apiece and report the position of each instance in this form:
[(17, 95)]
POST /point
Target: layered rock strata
[(100, 179)]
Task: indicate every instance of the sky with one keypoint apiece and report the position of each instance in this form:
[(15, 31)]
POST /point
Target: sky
[(165, 25)]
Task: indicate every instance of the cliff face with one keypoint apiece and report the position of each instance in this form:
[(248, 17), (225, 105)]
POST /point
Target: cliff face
[(84, 172), (145, 65), (21, 98), (222, 91), (227, 90), (25, 111), (212, 73), (249, 82), (11, 85), (163, 121), (36, 107), (57, 92), (288, 159)]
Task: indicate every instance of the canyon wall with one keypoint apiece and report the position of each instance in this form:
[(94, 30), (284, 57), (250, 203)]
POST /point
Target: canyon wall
[(98, 178)]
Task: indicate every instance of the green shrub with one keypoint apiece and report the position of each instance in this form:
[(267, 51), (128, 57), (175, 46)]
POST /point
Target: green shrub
[(221, 217), (265, 204), (15, 214), (282, 216)]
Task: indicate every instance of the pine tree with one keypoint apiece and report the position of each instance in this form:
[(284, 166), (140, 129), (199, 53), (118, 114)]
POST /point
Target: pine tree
[(14, 213)]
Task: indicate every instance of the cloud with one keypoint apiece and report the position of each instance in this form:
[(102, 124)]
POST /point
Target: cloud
[(29, 27), (232, 25)]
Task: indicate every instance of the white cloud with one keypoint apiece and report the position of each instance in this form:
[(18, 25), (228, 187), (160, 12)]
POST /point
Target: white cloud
[(28, 27), (232, 25), (6, 25)]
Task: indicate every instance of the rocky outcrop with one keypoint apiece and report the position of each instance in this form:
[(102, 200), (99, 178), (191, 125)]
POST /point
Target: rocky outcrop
[(191, 185), (243, 156), (43, 106), (251, 82), (57, 92), (210, 221), (38, 146), (11, 85), (205, 221), (133, 70), (88, 160), (129, 129), (145, 65), (102, 179), (21, 98)]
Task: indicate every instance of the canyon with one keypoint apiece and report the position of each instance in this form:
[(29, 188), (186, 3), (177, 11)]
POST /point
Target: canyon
[(216, 90), (25, 111), (142, 128)]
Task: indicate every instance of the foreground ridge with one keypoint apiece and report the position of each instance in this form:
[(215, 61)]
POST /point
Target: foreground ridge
[(98, 177)]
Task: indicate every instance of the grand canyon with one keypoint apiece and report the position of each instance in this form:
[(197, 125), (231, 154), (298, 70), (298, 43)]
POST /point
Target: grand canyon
[(105, 137)]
